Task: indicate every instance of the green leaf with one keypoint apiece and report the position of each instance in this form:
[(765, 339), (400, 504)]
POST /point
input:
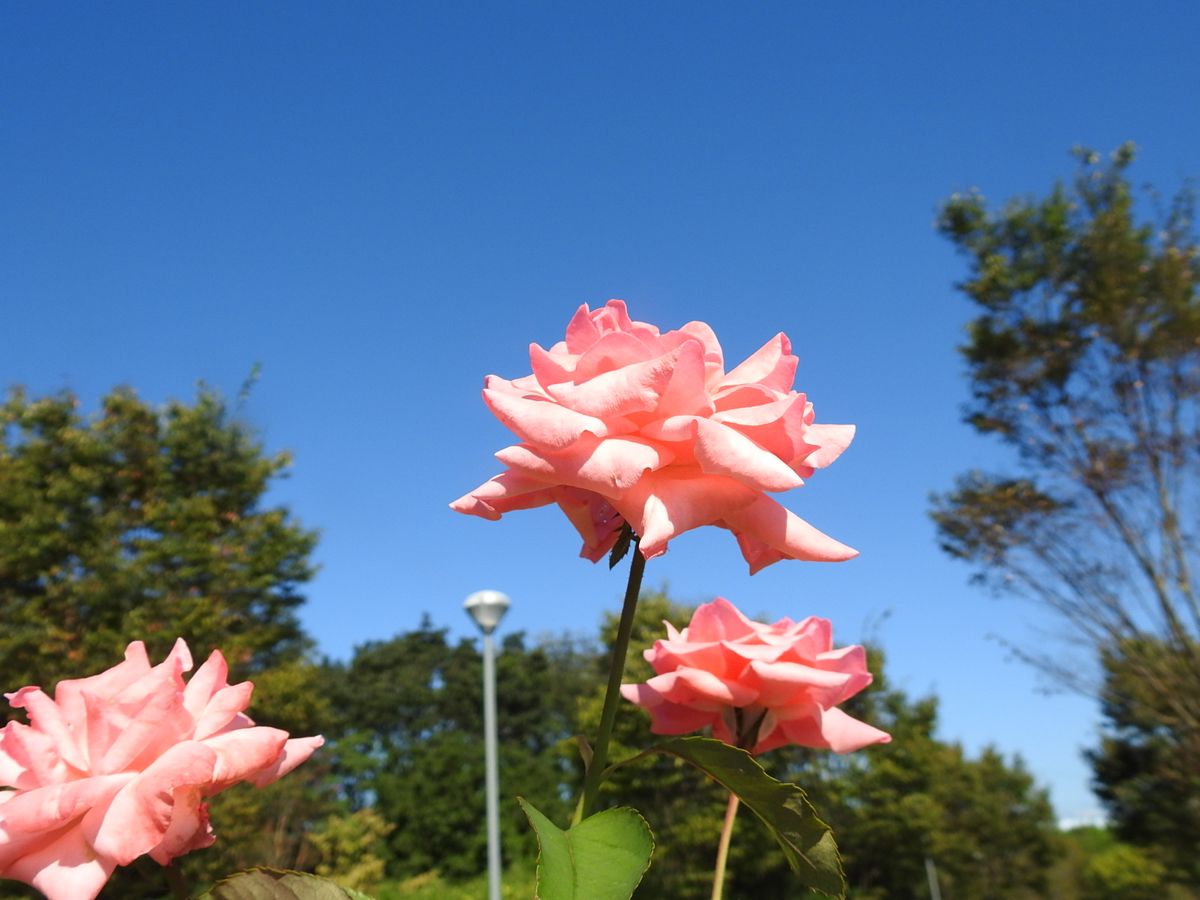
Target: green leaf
[(272, 884), (807, 842), (601, 858)]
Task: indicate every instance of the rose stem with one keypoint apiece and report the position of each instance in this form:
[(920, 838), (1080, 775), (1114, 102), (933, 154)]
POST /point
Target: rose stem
[(616, 670), (176, 882), (723, 847), (747, 737)]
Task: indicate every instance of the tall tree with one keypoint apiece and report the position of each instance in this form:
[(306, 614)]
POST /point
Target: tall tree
[(1147, 767), (141, 523), (1085, 359)]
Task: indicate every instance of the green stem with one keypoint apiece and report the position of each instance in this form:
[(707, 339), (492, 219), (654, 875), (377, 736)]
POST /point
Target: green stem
[(612, 696), (723, 847)]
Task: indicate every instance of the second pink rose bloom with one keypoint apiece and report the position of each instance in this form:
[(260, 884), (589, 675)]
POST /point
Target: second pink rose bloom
[(757, 686), (620, 422)]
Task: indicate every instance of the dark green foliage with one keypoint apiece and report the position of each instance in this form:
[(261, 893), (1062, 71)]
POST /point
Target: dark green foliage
[(982, 821), (1085, 358), (1147, 767), (410, 743)]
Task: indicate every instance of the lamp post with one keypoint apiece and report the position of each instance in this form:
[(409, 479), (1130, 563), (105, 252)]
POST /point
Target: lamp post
[(487, 608)]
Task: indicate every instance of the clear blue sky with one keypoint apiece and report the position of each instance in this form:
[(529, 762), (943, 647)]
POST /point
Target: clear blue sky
[(384, 202)]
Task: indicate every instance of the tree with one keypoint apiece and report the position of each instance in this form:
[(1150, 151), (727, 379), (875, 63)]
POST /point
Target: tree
[(150, 524), (409, 743), (1147, 767), (1085, 359), (141, 524)]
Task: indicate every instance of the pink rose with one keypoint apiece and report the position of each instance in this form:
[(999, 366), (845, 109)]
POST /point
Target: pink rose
[(119, 764), (758, 686), (620, 423)]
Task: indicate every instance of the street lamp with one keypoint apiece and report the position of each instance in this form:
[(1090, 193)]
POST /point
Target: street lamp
[(487, 608)]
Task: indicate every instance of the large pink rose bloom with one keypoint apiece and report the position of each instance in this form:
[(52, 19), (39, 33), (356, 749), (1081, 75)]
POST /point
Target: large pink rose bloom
[(621, 423), (119, 764), (757, 686)]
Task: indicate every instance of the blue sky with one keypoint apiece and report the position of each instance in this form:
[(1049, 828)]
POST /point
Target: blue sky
[(381, 203)]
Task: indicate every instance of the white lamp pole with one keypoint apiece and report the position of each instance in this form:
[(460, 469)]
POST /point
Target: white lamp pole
[(487, 608)]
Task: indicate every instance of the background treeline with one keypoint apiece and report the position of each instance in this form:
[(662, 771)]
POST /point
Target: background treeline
[(148, 523)]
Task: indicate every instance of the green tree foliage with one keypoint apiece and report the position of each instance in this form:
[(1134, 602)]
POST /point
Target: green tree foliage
[(1147, 767), (409, 743), (1124, 873), (353, 848), (985, 825), (1093, 865), (1085, 358), (140, 523), (983, 821)]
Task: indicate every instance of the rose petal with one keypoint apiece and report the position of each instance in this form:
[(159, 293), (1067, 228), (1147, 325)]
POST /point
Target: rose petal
[(210, 678), (772, 366), (619, 393), (831, 441), (782, 684), (607, 466), (34, 812), (700, 689), (721, 450), (671, 501), (188, 830), (551, 366), (65, 868), (143, 726), (29, 758), (686, 393), (295, 751), (714, 357), (222, 709), (666, 656), (586, 327), (666, 717), (537, 419), (719, 620), (783, 531), (612, 351), (597, 522), (138, 817), (48, 719), (505, 492), (834, 730), (244, 754)]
